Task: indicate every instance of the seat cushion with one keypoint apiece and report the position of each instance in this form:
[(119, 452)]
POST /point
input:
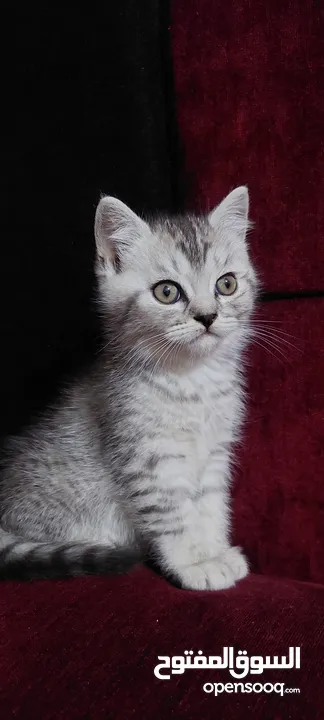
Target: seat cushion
[(87, 648)]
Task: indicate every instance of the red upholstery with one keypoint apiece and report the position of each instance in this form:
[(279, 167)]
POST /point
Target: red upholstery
[(250, 108), (249, 86), (279, 490), (87, 648)]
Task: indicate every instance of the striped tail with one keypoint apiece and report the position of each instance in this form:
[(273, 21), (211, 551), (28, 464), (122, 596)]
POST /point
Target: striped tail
[(27, 560)]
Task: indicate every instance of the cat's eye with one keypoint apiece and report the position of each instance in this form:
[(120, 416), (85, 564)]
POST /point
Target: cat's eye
[(166, 292), (226, 285)]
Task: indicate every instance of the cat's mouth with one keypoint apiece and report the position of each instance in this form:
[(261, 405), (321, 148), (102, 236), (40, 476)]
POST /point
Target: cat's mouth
[(205, 336)]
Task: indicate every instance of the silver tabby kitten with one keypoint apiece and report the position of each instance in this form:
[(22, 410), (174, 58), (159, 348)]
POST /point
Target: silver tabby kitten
[(135, 459)]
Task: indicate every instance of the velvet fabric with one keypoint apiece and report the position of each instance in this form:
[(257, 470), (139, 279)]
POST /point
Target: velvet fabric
[(279, 490), (249, 84), (249, 89), (87, 648)]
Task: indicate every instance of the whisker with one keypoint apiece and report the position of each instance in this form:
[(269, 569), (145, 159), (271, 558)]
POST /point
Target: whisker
[(269, 351), (274, 345), (273, 336), (275, 329)]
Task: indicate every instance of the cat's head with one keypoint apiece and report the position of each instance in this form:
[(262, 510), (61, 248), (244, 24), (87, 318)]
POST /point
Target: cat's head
[(175, 290)]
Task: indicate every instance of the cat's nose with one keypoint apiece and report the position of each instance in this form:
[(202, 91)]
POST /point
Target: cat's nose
[(206, 320)]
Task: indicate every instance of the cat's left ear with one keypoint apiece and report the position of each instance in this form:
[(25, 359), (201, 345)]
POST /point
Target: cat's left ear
[(117, 230), (231, 216)]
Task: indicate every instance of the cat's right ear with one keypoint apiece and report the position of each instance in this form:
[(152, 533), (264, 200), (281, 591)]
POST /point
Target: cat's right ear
[(117, 230)]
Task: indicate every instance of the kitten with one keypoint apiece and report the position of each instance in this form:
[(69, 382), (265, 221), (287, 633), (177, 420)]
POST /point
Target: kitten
[(135, 458)]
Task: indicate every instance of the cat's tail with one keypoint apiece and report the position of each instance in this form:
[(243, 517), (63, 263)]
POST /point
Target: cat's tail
[(27, 560)]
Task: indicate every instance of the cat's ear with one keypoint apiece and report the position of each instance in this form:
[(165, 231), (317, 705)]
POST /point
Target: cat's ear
[(117, 229), (231, 217)]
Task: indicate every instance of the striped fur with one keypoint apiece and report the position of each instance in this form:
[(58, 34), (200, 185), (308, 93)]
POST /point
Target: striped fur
[(135, 457)]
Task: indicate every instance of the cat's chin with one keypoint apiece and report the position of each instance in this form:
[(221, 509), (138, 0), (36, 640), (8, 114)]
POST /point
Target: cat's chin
[(179, 358), (205, 341), (202, 346)]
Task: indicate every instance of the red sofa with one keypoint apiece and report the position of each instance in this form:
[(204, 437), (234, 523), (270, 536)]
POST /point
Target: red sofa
[(249, 98)]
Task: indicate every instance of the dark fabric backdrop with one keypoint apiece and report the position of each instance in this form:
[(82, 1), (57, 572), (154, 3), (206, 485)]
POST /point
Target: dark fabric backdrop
[(90, 110)]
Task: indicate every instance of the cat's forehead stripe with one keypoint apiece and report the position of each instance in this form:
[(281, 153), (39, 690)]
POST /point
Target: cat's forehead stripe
[(188, 233)]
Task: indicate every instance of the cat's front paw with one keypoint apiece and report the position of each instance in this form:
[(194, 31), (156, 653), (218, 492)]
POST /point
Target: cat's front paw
[(217, 574)]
